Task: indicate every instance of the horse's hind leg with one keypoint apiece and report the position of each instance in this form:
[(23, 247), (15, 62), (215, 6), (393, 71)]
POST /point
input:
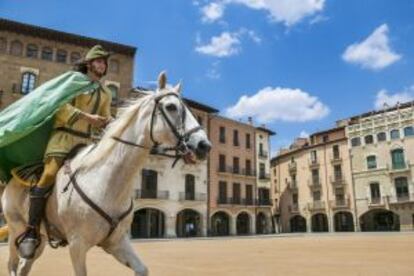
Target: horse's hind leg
[(26, 264), (126, 255), (13, 256)]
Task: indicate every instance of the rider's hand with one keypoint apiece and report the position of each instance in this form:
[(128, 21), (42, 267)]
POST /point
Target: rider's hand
[(96, 120)]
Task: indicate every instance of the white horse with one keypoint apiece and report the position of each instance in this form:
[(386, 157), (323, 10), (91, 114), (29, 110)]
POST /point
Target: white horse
[(105, 173)]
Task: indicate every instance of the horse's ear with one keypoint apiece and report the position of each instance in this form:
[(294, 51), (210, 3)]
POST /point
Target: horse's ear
[(178, 87), (162, 80)]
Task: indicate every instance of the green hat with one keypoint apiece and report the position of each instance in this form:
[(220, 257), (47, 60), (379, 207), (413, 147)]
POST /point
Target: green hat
[(96, 51)]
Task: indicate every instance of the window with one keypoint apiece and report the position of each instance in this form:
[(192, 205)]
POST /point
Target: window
[(189, 187), (397, 157), (28, 82), (3, 45), (382, 136), (113, 66), (295, 198), (249, 194), (314, 156), (408, 131), (316, 195), (371, 162), (222, 191), (335, 151), (356, 141), (338, 172), (262, 170), (395, 134), (114, 92), (261, 152), (325, 138), (61, 56), (369, 139), (74, 57), (247, 140), (235, 137), (315, 176), (248, 167), (16, 48), (31, 51), (375, 192), (264, 196), (236, 193), (236, 167), (149, 184), (222, 136), (401, 187), (47, 53), (222, 163)]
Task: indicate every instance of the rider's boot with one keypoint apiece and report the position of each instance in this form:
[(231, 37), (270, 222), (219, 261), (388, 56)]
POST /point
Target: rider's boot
[(31, 239)]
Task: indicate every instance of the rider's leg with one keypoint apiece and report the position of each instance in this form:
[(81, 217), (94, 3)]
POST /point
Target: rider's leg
[(38, 196)]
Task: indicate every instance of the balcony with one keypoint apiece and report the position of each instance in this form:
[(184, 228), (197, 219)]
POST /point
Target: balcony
[(292, 185), (316, 206), (342, 203), (294, 208), (264, 176), (263, 202), (192, 196), (337, 180), (235, 201), (399, 167), (248, 172), (263, 154), (292, 167), (375, 202), (314, 183), (236, 170), (404, 198), (336, 159), (313, 163), (151, 194), (224, 200)]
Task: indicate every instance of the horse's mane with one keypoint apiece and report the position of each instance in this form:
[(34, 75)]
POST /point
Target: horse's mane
[(125, 115)]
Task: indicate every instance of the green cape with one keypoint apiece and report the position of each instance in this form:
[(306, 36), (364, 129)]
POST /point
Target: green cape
[(25, 125)]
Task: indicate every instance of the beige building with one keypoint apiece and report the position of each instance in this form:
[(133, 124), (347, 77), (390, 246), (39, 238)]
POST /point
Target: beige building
[(313, 184), (382, 150), (264, 200), (172, 202), (31, 55)]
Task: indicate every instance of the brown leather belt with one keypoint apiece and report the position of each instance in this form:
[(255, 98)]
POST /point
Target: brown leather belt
[(74, 132)]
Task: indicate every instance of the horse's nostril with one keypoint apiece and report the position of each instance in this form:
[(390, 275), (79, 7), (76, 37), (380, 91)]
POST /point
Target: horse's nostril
[(204, 146)]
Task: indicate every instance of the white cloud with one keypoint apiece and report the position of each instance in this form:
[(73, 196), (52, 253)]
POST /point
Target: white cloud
[(226, 44), (288, 12), (374, 52), (304, 134), (212, 12), (284, 104), (384, 98)]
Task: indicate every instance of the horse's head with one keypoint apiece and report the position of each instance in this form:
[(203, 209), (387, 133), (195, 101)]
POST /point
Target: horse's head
[(174, 127)]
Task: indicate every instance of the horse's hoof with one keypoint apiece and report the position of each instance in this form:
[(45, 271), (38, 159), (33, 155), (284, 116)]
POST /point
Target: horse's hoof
[(27, 248)]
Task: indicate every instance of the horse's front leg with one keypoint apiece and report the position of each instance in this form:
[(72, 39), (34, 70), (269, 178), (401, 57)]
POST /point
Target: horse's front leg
[(78, 249), (125, 254)]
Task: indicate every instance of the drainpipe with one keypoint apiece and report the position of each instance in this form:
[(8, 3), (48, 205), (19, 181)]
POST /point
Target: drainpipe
[(356, 224)]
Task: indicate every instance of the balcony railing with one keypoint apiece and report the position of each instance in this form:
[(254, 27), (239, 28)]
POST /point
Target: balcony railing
[(264, 176), (313, 163), (263, 202), (294, 208), (192, 196), (224, 200), (376, 201), (314, 183), (248, 172), (236, 170), (292, 167), (336, 158), (402, 198), (236, 201), (398, 167), (316, 205), (340, 203), (292, 185), (263, 154), (151, 194), (337, 180)]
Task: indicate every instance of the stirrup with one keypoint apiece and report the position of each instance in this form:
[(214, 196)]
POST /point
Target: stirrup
[(27, 253)]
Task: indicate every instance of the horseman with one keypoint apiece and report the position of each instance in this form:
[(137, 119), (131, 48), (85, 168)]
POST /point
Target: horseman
[(83, 107)]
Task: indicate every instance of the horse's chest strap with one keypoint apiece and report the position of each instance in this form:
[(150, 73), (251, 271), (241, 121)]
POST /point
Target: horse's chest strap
[(113, 222)]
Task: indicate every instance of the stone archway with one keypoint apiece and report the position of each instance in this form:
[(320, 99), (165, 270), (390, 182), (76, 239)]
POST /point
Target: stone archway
[(344, 222), (297, 224), (148, 223), (220, 224), (320, 223), (243, 224), (188, 223), (379, 220)]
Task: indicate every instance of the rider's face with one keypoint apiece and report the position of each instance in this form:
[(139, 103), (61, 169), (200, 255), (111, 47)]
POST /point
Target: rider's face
[(98, 67)]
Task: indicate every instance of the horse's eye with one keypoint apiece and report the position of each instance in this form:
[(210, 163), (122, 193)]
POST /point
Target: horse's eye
[(171, 107)]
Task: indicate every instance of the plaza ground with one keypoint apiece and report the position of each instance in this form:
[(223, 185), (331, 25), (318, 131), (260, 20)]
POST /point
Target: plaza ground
[(285, 254)]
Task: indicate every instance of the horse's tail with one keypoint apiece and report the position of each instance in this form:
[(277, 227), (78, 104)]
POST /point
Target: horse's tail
[(4, 231)]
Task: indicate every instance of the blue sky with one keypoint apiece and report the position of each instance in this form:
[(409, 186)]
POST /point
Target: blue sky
[(295, 65)]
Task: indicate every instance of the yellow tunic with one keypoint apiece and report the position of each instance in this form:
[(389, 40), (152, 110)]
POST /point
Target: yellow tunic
[(62, 142)]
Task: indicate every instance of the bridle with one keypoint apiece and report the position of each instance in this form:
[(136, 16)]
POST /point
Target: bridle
[(181, 148)]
